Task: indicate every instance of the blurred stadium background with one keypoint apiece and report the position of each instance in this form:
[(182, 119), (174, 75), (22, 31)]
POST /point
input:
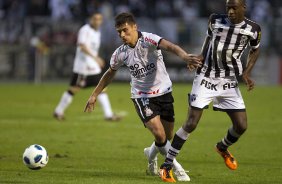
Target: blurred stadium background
[(38, 37)]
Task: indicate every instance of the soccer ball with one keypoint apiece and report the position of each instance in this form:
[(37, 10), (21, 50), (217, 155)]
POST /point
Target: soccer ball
[(35, 157)]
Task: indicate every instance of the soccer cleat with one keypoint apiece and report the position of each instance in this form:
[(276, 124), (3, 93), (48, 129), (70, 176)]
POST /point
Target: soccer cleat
[(166, 173), (181, 174), (114, 118), (229, 160), (152, 168), (58, 116)]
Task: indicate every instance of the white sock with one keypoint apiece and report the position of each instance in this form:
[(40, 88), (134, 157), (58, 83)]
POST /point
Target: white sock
[(65, 101), (106, 105), (163, 150), (153, 152)]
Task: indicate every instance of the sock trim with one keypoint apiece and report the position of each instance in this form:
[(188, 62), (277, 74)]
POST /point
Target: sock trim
[(160, 144), (182, 134), (233, 132), (70, 92)]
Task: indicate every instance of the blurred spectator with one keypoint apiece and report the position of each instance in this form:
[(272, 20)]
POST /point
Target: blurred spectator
[(208, 7), (14, 13), (106, 9), (60, 9), (261, 11), (123, 6), (164, 8), (189, 13), (138, 8)]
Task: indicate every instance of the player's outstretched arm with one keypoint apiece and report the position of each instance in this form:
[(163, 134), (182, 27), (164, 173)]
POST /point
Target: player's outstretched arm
[(190, 59), (252, 59), (103, 83)]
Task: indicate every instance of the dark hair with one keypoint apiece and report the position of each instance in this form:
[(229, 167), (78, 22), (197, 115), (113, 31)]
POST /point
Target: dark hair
[(123, 18)]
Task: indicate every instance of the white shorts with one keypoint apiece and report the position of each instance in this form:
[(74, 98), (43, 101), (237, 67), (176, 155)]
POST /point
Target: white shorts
[(223, 92)]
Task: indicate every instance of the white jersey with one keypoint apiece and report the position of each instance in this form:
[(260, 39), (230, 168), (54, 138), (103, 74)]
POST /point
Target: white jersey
[(83, 63), (149, 77)]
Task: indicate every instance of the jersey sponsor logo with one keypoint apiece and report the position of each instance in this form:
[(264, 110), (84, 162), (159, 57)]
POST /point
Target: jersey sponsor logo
[(151, 41), (244, 40), (208, 85), (139, 71), (149, 93), (230, 85)]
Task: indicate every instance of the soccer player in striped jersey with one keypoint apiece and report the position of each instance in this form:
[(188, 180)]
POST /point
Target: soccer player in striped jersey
[(151, 87), (227, 38)]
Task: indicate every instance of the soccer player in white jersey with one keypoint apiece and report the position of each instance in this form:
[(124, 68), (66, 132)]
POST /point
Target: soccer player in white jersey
[(151, 86), (228, 36), (87, 68)]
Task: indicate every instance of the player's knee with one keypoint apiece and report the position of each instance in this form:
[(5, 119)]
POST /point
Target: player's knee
[(73, 90), (159, 136), (169, 135), (243, 127)]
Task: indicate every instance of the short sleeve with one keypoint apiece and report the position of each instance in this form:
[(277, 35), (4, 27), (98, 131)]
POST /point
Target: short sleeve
[(211, 20), (82, 36), (255, 40), (152, 40), (116, 62)]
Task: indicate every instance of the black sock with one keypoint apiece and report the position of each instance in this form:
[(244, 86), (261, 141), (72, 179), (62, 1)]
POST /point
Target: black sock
[(228, 140), (70, 92), (178, 141)]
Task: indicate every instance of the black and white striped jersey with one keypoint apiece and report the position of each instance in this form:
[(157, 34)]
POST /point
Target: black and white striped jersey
[(227, 44)]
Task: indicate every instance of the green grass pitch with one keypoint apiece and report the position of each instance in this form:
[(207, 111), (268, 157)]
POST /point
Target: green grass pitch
[(87, 150)]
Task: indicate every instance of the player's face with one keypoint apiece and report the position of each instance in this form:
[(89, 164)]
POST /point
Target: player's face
[(128, 33), (96, 20), (235, 10)]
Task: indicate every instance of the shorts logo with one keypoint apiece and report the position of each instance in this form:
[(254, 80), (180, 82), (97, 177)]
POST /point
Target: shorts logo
[(148, 111), (145, 101), (82, 83), (230, 85), (193, 97), (208, 85)]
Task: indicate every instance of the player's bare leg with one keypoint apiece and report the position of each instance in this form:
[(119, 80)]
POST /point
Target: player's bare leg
[(104, 100), (239, 122), (156, 128), (178, 170), (67, 98), (65, 101), (180, 137)]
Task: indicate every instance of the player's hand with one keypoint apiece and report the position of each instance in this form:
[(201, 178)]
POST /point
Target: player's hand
[(90, 105), (192, 66), (249, 82), (100, 61)]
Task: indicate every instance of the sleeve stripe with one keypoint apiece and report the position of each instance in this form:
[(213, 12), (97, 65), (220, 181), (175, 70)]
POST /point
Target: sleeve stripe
[(256, 46)]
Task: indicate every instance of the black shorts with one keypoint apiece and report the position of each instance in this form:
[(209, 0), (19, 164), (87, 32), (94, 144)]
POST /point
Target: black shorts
[(148, 108), (85, 81)]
